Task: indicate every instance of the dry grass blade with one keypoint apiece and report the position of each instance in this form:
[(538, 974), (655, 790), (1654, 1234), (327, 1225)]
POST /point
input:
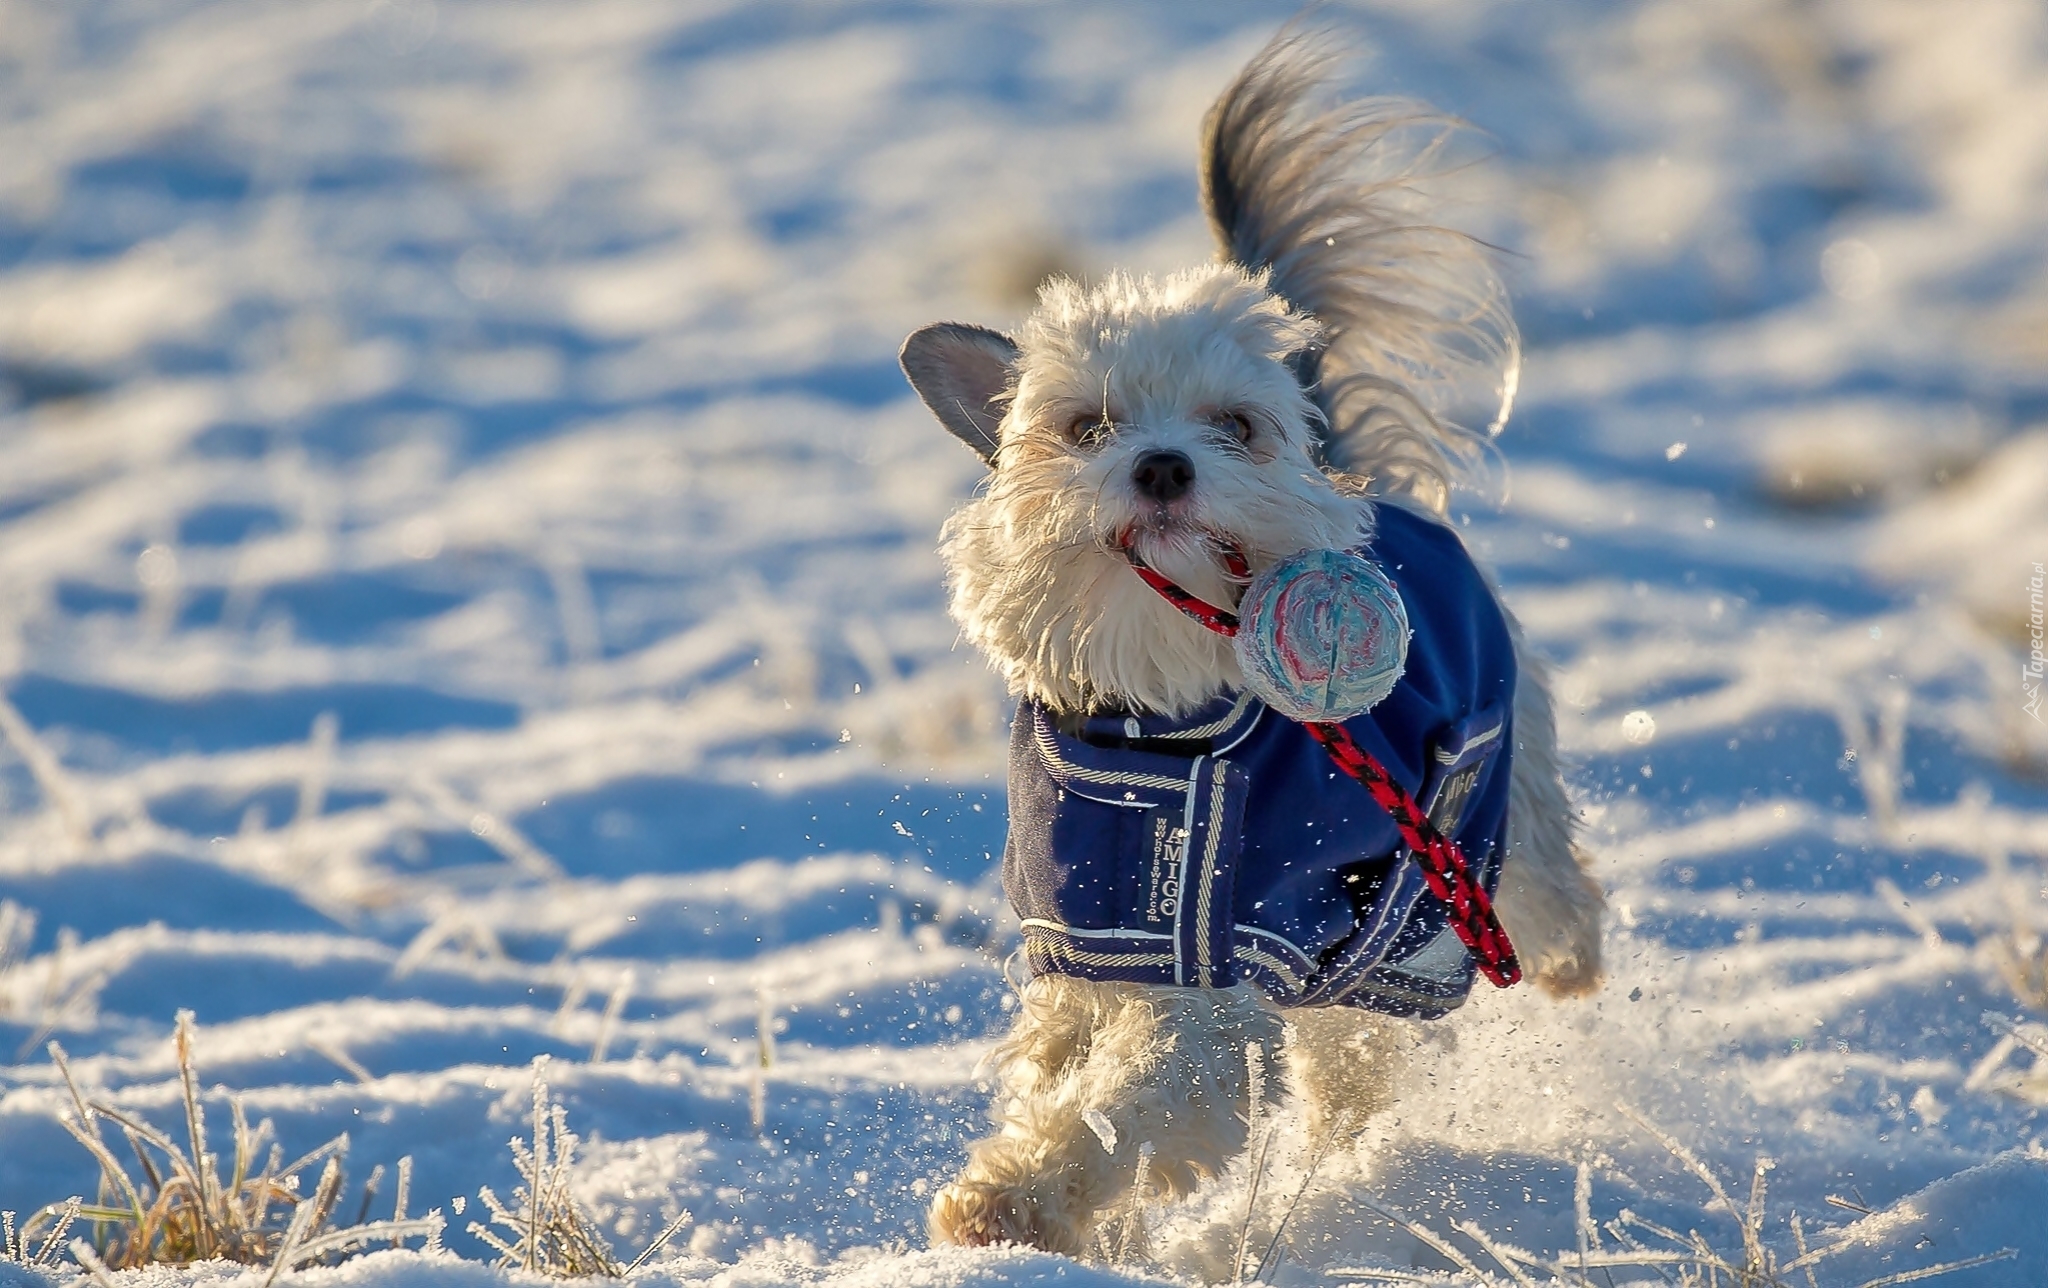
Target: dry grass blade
[(1698, 1264), (2024, 963), (1946, 1267), (614, 1007), (668, 1232), (1993, 1061), (1255, 1096), (195, 1131), (1123, 1240), (1442, 1245), (358, 1238), (40, 1004), (1695, 1254), (87, 1132), (82, 1252), (1251, 1204), (1506, 1259), (1753, 1221), (1805, 1260), (1584, 1227), (2033, 1037), (1799, 1241), (347, 1063), (1693, 1165), (1639, 1256), (2020, 951), (15, 1243), (1266, 1258), (303, 1246), (303, 1218), (183, 1211), (112, 1175), (1695, 1263), (1995, 1071), (549, 1232)]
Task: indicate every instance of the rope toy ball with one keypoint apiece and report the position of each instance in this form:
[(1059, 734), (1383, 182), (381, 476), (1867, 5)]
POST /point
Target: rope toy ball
[(1322, 636)]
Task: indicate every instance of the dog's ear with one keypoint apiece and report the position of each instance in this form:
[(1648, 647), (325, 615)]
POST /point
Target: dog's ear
[(960, 371)]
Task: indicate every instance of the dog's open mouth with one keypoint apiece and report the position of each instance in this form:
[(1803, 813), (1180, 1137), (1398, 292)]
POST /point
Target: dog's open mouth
[(1179, 543), (1163, 517)]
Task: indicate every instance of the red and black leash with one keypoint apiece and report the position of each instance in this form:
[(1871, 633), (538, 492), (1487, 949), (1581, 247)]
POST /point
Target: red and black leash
[(1216, 619), (1443, 863)]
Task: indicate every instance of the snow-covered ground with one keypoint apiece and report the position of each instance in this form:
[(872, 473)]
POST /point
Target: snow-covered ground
[(467, 593)]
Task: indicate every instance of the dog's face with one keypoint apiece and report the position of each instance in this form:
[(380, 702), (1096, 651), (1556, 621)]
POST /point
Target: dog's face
[(1161, 415)]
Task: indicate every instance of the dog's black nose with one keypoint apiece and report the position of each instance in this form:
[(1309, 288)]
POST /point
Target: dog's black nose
[(1163, 475)]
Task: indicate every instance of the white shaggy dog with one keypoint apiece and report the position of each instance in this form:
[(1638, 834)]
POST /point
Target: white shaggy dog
[(1273, 401)]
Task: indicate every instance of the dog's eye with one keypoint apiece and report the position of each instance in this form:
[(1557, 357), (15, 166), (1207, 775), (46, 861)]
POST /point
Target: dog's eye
[(1089, 429), (1237, 424)]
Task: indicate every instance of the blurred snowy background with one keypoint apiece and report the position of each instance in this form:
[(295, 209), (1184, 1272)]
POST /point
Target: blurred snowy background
[(467, 592)]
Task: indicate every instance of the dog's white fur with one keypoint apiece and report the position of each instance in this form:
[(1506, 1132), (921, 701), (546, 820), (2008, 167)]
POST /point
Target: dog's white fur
[(1327, 272)]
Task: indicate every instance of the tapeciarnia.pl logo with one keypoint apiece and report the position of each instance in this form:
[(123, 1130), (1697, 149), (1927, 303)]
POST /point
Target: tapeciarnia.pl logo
[(2030, 674)]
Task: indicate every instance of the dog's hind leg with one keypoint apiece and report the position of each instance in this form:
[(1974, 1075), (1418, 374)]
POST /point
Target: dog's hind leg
[(1549, 903), (1091, 1073)]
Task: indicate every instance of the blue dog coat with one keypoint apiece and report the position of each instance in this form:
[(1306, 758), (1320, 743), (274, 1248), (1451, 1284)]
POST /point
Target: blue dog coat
[(1226, 846)]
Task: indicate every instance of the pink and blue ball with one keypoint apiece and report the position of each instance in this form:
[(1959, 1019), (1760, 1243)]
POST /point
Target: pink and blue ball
[(1322, 635)]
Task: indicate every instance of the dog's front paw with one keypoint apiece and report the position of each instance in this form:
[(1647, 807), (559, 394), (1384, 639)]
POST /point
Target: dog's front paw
[(976, 1213), (1568, 965), (1568, 977), (1551, 909)]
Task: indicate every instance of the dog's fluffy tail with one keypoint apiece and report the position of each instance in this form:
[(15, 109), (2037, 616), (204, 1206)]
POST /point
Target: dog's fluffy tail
[(1321, 193)]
